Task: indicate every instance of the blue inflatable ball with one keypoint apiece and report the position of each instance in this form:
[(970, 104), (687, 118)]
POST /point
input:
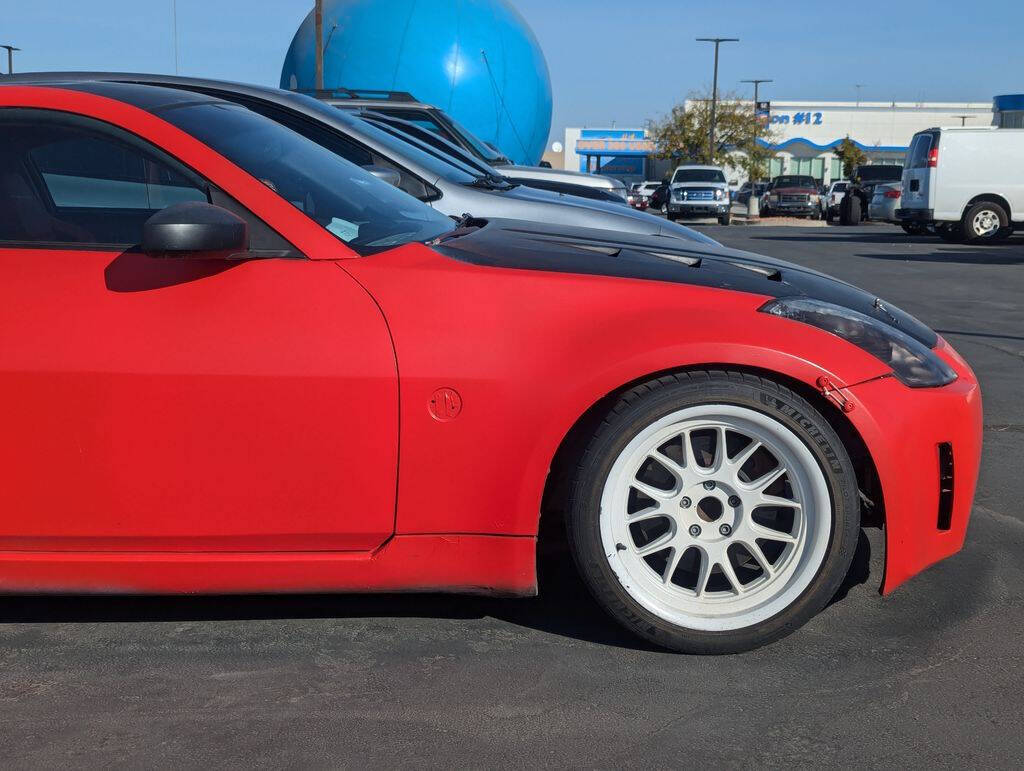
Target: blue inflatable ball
[(475, 59)]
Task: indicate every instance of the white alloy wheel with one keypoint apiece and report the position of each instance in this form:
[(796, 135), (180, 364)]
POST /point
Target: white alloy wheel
[(986, 223), (716, 517)]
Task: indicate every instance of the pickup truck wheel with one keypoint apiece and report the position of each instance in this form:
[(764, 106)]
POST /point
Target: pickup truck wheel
[(850, 210), (983, 222), (725, 219)]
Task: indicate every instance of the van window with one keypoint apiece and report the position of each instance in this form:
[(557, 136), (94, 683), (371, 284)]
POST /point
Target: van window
[(917, 157)]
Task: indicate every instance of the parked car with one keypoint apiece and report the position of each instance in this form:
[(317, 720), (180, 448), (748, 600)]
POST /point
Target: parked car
[(793, 195), (642, 192), (884, 203), (207, 320), (634, 198), (699, 191), (659, 198), (402, 105), (854, 206), (967, 183), (757, 189), (833, 199), (453, 182)]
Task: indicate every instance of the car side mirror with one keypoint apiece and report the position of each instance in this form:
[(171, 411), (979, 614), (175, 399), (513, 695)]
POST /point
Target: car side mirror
[(197, 230), (384, 174)]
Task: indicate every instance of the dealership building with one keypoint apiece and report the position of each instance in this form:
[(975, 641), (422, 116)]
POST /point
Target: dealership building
[(804, 136)]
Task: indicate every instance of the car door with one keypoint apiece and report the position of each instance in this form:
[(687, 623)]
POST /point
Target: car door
[(171, 404)]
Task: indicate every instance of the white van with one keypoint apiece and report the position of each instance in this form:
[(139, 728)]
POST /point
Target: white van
[(967, 182)]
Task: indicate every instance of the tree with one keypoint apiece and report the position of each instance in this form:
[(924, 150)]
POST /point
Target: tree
[(741, 138), (851, 156)]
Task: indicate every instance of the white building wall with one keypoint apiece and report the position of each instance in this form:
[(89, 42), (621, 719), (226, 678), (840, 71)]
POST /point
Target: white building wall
[(806, 130)]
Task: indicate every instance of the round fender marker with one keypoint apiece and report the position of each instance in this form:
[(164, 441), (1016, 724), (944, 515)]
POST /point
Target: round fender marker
[(445, 404)]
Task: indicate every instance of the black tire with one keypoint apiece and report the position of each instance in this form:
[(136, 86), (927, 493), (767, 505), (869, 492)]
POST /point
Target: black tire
[(725, 219), (967, 225), (950, 231), (829, 216), (653, 400), (850, 210)]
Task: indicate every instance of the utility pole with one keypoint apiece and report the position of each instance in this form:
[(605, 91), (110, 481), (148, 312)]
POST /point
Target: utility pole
[(757, 83), (174, 32), (318, 23), (965, 118), (10, 58), (714, 91)]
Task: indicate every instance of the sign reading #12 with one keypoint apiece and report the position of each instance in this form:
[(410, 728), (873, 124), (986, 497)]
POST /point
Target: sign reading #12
[(800, 118)]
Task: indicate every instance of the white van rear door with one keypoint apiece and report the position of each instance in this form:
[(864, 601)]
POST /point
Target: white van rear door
[(917, 174)]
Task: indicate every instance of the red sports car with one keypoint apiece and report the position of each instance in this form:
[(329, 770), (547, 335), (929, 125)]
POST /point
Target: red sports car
[(234, 362)]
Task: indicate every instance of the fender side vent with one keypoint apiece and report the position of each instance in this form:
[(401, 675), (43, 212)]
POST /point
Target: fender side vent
[(945, 521)]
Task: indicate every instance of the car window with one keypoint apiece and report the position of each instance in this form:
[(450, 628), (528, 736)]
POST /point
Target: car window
[(351, 204), (343, 146), (794, 181), (698, 175), (437, 146), (66, 179)]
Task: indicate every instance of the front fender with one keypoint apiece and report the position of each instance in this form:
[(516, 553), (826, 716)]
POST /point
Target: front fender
[(529, 352)]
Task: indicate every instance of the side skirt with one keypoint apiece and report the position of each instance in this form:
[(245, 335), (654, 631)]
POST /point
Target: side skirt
[(475, 564)]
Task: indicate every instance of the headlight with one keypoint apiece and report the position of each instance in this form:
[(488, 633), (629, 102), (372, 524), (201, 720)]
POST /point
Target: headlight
[(815, 198), (681, 195), (912, 362), (718, 194)]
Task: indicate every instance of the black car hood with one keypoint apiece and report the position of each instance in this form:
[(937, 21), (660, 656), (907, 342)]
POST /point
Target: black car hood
[(534, 246)]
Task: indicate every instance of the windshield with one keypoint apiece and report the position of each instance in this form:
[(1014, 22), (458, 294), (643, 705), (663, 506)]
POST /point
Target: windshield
[(839, 187), (794, 181), (427, 119), (441, 149), (698, 175), (354, 206), (880, 173), (485, 151)]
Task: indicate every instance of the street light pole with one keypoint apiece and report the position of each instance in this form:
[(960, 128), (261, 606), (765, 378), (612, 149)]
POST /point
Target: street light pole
[(757, 83), (757, 98), (858, 86), (714, 91), (10, 58), (318, 23), (965, 118)]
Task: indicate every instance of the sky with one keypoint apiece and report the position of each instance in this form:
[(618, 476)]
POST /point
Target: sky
[(618, 63)]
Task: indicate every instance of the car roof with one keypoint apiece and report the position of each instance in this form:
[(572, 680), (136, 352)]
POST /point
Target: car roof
[(194, 88), (145, 97)]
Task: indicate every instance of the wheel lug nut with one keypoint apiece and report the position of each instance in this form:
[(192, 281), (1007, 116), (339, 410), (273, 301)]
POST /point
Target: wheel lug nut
[(709, 485), (725, 530), (685, 503), (734, 501), (694, 530)]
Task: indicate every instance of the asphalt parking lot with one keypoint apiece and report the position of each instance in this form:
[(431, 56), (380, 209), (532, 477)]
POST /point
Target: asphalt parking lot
[(930, 676)]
